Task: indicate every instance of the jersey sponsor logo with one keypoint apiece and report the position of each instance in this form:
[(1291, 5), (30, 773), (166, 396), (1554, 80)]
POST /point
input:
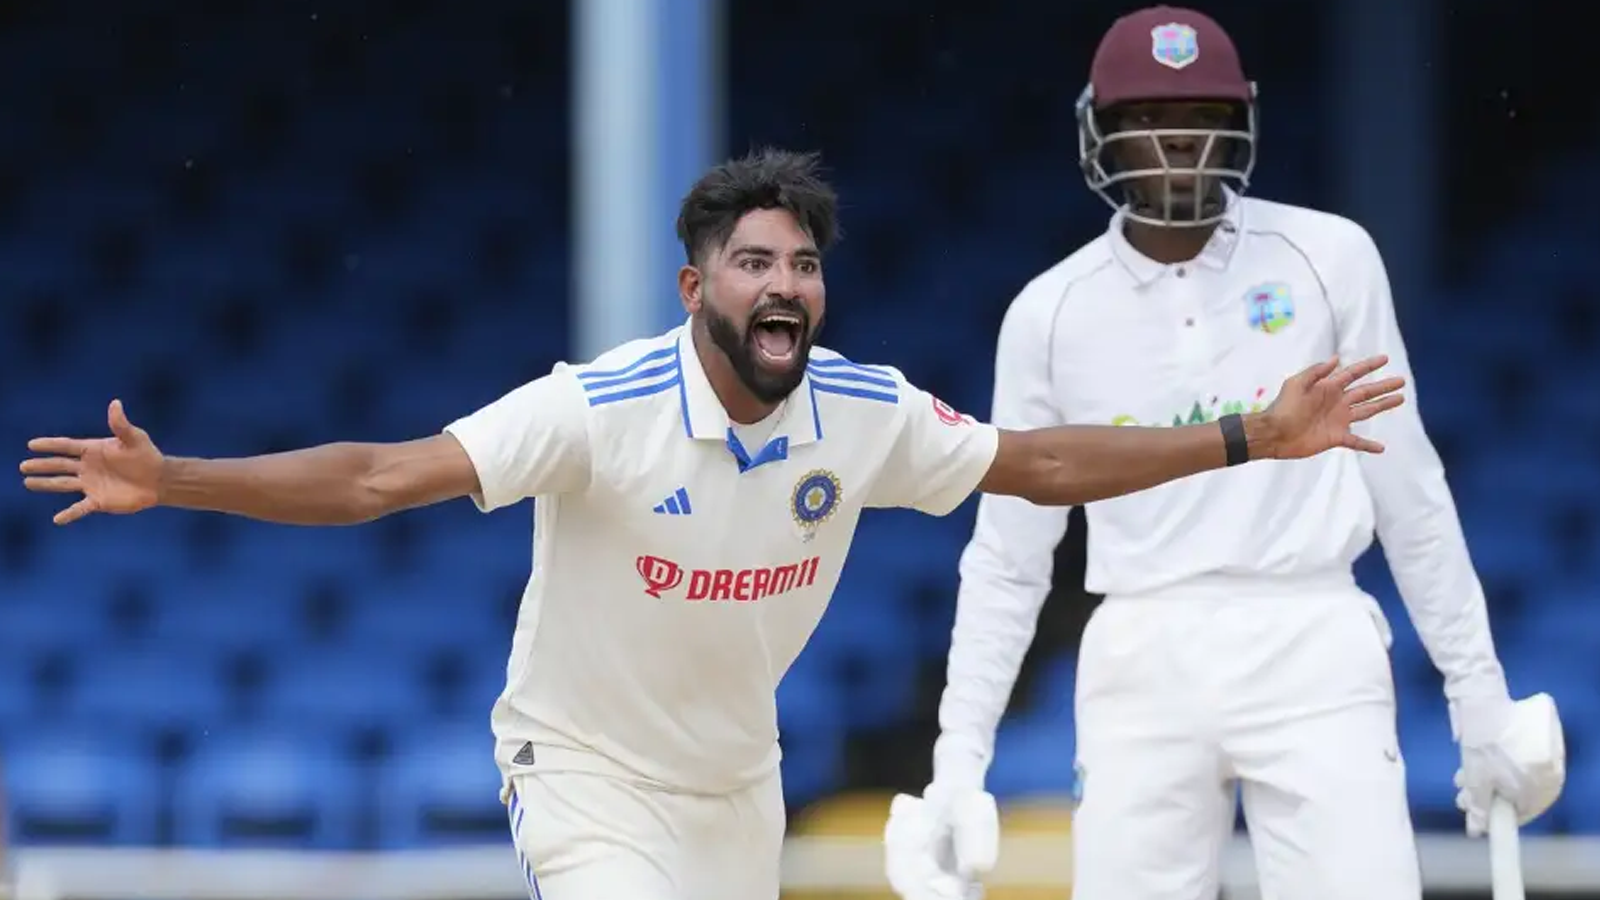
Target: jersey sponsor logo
[(1174, 46), (816, 495), (659, 574), (1269, 308), (1201, 415), (947, 413), (663, 576)]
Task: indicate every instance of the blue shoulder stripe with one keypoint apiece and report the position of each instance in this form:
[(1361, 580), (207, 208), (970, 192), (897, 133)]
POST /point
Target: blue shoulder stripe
[(640, 390), (844, 390), (844, 378), (630, 368), (840, 376), (652, 373)]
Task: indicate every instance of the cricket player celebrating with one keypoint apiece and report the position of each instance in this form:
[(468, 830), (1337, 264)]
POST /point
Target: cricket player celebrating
[(1233, 647), (697, 494)]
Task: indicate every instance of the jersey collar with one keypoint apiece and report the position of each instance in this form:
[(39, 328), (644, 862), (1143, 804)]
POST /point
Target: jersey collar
[(705, 419), (1215, 255)]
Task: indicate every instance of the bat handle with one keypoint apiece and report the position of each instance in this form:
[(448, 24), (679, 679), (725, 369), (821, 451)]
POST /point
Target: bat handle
[(1505, 851)]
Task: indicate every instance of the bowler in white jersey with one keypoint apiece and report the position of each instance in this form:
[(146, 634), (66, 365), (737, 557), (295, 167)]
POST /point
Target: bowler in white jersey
[(697, 493), (1233, 649)]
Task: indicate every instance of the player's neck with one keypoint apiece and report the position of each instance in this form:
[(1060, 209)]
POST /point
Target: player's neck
[(742, 407), (1165, 244)]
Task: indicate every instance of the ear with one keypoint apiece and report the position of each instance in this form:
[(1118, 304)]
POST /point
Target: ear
[(689, 285)]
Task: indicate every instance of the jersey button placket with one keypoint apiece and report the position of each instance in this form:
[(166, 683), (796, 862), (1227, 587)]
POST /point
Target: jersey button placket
[(1194, 340)]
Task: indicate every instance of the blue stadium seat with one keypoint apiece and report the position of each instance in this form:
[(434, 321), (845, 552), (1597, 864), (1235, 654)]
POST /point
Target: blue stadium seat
[(420, 615), (344, 688), (288, 789), (440, 787), (56, 608), (98, 785), (154, 687), (234, 611)]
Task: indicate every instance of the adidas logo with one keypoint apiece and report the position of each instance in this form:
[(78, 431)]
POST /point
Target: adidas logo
[(524, 756), (676, 505)]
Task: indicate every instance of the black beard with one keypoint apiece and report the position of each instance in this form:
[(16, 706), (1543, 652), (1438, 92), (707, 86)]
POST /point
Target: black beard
[(740, 349)]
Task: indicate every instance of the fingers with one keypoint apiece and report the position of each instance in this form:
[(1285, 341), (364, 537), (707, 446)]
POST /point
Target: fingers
[(1361, 444), (51, 465), (1365, 392), (1356, 371), (54, 484), (76, 511), (1313, 374), (1361, 412), (59, 446)]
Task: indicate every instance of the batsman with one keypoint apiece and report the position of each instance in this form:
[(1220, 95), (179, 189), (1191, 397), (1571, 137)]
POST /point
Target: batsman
[(1234, 657)]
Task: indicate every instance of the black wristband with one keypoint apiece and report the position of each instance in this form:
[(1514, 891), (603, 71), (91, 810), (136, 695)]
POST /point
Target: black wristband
[(1233, 440)]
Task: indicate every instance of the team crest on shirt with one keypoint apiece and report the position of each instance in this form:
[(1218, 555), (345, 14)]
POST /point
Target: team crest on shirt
[(1269, 308), (1173, 45), (815, 498)]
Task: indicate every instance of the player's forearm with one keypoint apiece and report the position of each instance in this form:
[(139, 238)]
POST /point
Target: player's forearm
[(995, 625), (1427, 554), (1005, 577), (328, 485), (1076, 464)]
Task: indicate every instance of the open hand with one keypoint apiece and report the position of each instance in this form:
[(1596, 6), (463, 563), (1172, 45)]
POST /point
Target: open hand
[(1315, 409), (118, 474)]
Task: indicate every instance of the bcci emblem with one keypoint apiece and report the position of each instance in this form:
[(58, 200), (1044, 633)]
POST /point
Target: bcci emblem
[(1270, 307), (1174, 45), (815, 499)]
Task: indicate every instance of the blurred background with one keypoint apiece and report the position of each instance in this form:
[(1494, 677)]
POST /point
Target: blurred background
[(267, 225)]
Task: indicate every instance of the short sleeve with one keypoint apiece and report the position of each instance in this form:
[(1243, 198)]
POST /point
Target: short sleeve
[(937, 459), (531, 442)]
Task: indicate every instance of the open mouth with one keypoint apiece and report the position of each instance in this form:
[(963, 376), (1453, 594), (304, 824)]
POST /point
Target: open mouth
[(777, 337)]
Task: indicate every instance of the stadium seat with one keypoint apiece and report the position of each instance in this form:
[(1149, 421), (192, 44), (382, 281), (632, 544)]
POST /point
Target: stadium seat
[(229, 613), (281, 788), (344, 689), (150, 688), (98, 784), (439, 787)]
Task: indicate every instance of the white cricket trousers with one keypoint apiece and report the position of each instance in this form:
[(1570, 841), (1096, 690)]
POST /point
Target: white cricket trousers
[(582, 836), (1282, 688)]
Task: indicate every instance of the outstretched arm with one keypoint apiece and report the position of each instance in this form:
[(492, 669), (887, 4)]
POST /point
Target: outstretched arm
[(334, 484), (531, 441), (1075, 464)]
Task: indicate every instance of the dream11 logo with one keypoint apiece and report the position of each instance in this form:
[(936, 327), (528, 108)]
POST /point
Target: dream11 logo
[(658, 574), (662, 575)]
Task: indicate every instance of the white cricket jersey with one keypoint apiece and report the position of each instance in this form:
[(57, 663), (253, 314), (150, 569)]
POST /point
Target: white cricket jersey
[(1111, 337), (676, 572)]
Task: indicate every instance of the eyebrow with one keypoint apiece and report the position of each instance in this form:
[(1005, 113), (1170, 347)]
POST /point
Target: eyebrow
[(758, 250)]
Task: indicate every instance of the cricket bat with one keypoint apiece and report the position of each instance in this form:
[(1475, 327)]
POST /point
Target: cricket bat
[(1505, 852)]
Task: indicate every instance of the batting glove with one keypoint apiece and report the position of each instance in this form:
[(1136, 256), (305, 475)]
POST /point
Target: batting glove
[(938, 846), (1511, 750)]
